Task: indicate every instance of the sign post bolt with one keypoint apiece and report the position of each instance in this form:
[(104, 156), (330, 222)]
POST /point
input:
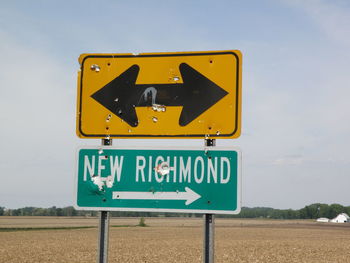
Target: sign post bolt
[(107, 142)]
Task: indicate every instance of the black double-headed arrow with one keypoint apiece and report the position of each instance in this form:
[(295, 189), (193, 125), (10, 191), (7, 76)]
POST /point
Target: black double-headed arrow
[(196, 94)]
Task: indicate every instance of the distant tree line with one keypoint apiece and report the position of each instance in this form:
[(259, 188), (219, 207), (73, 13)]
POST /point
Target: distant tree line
[(312, 211), (71, 211), (37, 211)]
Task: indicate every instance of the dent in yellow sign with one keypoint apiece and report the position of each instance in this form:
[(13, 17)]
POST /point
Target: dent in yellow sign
[(160, 95)]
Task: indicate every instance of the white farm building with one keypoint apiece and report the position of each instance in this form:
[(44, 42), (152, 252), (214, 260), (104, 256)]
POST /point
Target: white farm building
[(341, 218), (323, 220)]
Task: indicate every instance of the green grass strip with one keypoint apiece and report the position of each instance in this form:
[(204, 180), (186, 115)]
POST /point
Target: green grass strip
[(123, 225), (128, 225), (14, 229)]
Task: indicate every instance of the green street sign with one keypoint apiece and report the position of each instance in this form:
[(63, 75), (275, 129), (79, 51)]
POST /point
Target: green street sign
[(183, 180)]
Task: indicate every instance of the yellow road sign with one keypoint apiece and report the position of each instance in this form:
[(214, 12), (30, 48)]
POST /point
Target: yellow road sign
[(160, 95)]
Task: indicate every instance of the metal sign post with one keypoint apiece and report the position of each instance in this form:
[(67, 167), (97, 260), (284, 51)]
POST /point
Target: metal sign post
[(209, 224), (103, 227)]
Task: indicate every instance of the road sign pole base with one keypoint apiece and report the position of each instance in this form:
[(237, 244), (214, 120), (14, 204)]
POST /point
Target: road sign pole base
[(208, 256), (103, 229)]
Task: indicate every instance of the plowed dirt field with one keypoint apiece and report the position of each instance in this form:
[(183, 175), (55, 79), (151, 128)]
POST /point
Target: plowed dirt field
[(173, 240)]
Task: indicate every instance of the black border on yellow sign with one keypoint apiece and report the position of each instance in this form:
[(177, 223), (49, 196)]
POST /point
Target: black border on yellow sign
[(161, 55)]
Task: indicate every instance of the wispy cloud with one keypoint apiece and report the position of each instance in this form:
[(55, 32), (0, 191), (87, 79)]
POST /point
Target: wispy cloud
[(332, 17), (289, 160)]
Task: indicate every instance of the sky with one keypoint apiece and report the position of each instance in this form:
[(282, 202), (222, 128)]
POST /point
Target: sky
[(295, 113)]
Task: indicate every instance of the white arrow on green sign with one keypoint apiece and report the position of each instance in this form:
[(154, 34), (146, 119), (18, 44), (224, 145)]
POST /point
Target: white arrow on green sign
[(206, 180), (188, 195)]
